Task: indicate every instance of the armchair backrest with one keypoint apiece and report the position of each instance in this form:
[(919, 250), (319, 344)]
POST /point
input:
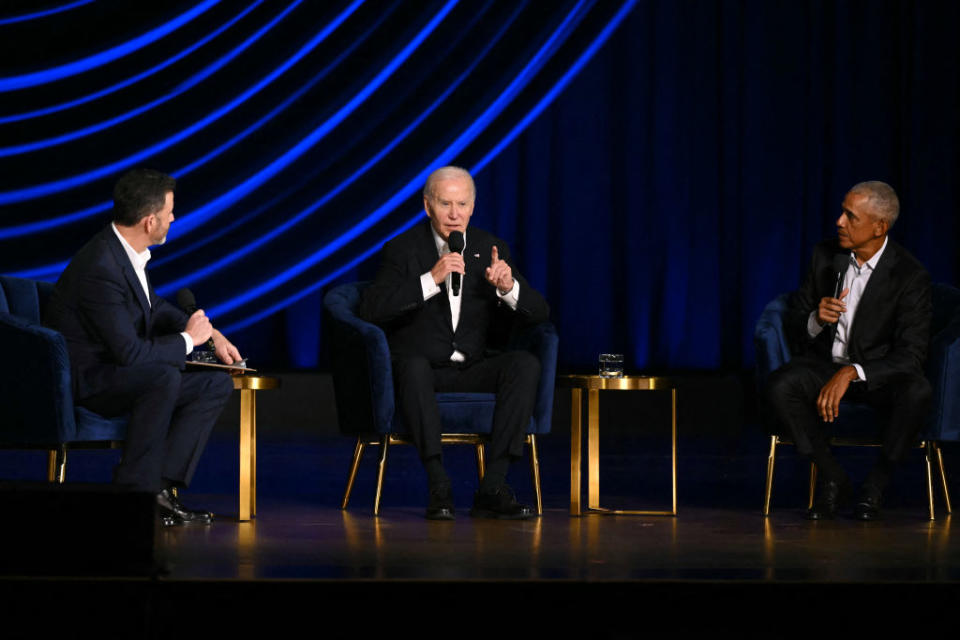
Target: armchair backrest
[(360, 358), (943, 363), (35, 385)]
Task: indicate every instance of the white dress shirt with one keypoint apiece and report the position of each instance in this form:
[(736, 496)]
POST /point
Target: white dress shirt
[(855, 280), (139, 262), (431, 288)]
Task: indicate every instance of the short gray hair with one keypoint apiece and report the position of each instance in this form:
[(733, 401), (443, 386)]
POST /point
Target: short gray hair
[(882, 199), (445, 173)]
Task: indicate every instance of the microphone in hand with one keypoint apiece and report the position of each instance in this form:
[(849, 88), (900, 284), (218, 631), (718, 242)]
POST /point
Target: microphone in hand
[(187, 302), (455, 242)]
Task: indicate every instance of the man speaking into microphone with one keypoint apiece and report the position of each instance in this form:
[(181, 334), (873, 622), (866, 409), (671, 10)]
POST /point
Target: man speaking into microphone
[(439, 292), (128, 347)]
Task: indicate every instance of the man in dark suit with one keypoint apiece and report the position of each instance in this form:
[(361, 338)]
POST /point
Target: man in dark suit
[(128, 347), (439, 339), (860, 325)]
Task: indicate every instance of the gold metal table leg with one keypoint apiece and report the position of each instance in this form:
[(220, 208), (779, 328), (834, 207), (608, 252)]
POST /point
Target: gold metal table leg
[(673, 444), (576, 441), (593, 449), (248, 444)]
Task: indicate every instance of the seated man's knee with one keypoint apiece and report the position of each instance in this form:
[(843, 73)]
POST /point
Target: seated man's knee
[(916, 390), (412, 367), (526, 366), (221, 384), (165, 377)]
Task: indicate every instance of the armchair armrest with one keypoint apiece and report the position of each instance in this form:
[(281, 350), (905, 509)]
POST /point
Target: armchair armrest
[(35, 391)]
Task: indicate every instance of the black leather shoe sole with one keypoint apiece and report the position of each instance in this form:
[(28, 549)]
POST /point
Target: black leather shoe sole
[(866, 512), (441, 513), (524, 514)]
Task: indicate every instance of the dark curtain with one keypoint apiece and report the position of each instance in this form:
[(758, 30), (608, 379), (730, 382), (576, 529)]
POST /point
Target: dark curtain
[(660, 169)]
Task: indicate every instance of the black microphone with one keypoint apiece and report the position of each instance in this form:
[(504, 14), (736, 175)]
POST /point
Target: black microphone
[(188, 303), (455, 242), (840, 264)]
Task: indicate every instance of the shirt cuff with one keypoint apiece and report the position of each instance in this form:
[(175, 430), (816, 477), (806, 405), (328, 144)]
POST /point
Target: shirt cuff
[(511, 297), (428, 286), (813, 327), (188, 340), (862, 377)]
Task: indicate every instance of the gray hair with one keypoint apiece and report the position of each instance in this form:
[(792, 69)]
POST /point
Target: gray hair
[(882, 199), (445, 173)]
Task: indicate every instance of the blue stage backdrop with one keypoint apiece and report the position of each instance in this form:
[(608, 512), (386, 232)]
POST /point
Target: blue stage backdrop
[(661, 169)]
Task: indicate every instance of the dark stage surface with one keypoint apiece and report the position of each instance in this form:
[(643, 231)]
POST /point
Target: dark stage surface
[(719, 564)]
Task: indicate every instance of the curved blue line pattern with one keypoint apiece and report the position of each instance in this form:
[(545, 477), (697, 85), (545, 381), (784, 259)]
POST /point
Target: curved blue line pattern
[(13, 83), (45, 111), (25, 17), (302, 174)]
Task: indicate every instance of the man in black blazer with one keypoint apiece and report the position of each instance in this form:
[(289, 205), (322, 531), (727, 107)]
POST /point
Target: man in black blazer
[(860, 325), (128, 347), (439, 338)]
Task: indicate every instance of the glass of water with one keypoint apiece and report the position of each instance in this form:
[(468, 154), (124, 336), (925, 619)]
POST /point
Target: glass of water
[(611, 365)]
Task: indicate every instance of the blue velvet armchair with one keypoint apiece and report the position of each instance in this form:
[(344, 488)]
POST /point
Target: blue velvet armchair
[(35, 385), (363, 388), (856, 424)]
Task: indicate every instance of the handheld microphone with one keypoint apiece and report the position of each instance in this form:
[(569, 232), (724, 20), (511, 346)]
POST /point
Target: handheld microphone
[(188, 303), (455, 242), (840, 263)]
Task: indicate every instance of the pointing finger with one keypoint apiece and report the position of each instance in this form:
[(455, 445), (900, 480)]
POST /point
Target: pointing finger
[(494, 255)]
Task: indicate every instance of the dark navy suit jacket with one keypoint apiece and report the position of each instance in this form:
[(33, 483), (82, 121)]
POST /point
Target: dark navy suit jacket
[(425, 328), (891, 329), (99, 306)]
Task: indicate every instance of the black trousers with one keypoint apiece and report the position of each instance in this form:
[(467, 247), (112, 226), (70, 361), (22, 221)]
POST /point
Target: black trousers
[(903, 404), (171, 416), (513, 376)]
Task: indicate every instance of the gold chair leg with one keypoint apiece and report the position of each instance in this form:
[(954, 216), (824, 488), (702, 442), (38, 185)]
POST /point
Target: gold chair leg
[(481, 462), (357, 454), (813, 485), (57, 464), (535, 470), (51, 465), (771, 460), (943, 476), (928, 454), (384, 447)]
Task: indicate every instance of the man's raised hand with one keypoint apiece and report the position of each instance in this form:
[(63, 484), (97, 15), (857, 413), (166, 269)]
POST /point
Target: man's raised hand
[(499, 273)]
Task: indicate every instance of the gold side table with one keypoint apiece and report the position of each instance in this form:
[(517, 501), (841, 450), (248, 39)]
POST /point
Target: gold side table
[(593, 384), (248, 386)]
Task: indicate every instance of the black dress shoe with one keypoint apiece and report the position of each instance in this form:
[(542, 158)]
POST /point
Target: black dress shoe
[(500, 504), (440, 506), (832, 496), (172, 508), (868, 506)]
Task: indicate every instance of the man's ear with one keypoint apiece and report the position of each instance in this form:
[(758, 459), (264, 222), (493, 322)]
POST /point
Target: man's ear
[(880, 228)]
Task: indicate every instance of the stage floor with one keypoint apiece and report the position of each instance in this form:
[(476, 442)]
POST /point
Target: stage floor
[(717, 565), (298, 541)]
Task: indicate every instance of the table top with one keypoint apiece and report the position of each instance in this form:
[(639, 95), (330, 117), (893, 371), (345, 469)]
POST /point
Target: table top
[(255, 382), (625, 383)]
